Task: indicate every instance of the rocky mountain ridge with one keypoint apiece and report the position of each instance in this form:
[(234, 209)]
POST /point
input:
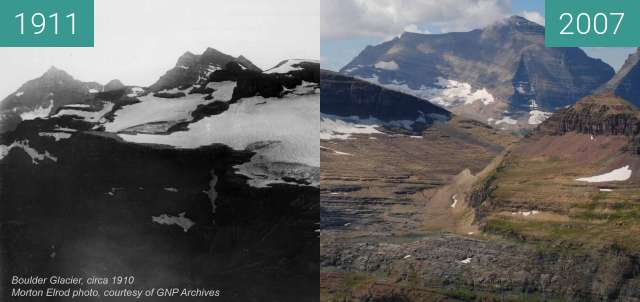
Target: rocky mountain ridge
[(502, 74)]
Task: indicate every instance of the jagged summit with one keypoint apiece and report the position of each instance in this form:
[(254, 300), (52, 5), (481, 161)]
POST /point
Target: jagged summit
[(191, 68)]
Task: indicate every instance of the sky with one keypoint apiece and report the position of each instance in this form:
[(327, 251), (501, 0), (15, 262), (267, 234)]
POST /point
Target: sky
[(137, 41), (348, 26)]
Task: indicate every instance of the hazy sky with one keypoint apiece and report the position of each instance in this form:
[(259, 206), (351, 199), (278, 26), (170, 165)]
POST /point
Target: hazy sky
[(136, 41), (348, 26)]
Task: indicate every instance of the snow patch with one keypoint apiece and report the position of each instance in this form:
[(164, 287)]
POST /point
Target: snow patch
[(455, 201), (536, 117), (506, 120), (39, 112), (606, 190), (89, 116), (36, 156), (391, 65), (335, 151), (444, 92), (93, 91), (620, 174), (180, 220), (154, 109), (223, 90), (171, 189), (466, 261), (287, 66), (56, 135), (336, 127), (19, 94)]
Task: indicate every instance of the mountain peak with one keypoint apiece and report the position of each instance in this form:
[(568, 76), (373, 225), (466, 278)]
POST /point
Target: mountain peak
[(56, 73)]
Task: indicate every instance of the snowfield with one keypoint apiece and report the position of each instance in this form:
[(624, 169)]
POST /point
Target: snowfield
[(39, 112), (536, 117), (282, 132), (89, 116), (620, 174), (152, 109), (223, 90), (335, 127), (444, 92), (180, 220), (36, 156), (288, 66)]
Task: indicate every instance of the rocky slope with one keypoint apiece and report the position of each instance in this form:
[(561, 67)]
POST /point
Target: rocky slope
[(502, 74), (42, 96), (625, 83), (377, 181), (192, 68), (212, 186), (345, 96), (572, 187)]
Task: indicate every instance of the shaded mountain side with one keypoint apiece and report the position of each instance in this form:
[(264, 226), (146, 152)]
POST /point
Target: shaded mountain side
[(192, 68), (347, 96), (626, 82), (508, 59), (38, 97)]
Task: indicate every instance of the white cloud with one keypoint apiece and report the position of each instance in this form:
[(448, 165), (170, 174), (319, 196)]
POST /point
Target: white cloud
[(383, 18), (412, 28), (533, 16)]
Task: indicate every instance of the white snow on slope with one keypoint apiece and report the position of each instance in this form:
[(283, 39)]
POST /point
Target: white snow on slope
[(77, 106), (89, 116), (58, 136), (154, 109), (33, 153), (283, 133), (335, 127), (536, 117), (446, 93), (620, 174), (391, 65), (466, 261), (93, 90), (455, 201), (287, 66), (180, 220), (223, 90), (39, 112), (506, 120), (335, 151), (19, 94)]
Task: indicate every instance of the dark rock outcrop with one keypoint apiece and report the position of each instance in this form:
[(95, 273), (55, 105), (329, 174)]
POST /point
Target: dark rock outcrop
[(347, 96), (193, 69), (602, 114)]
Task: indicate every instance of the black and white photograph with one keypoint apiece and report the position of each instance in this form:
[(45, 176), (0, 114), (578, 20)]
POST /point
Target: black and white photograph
[(181, 152)]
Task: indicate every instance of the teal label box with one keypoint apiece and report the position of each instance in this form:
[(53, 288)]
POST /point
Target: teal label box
[(592, 23), (46, 23)]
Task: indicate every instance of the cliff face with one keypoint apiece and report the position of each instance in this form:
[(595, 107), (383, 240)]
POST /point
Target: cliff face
[(347, 96), (597, 115)]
